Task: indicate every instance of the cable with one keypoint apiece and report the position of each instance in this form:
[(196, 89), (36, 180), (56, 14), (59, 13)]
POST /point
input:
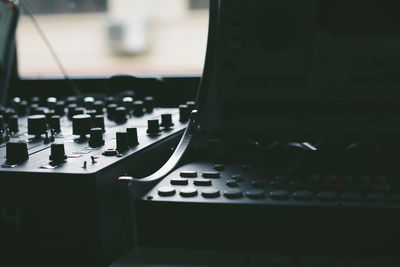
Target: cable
[(72, 84)]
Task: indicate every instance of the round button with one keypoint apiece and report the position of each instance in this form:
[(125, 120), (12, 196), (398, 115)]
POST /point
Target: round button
[(210, 193), (99, 122), (132, 136), (166, 120), (153, 127), (184, 113), (57, 152), (279, 194), (303, 195), (13, 124), (120, 115), (232, 183), (166, 191), (255, 194), (16, 152), (138, 108), (122, 141), (188, 192), (37, 124), (81, 124), (233, 193), (55, 123), (149, 104), (96, 137)]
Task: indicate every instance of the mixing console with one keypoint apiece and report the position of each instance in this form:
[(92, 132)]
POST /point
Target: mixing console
[(59, 163)]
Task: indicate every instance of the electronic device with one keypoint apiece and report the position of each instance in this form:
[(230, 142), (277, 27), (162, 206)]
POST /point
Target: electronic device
[(59, 161), (292, 147)]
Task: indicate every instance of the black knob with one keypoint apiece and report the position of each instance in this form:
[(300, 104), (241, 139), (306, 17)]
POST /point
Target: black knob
[(16, 152), (111, 111), (138, 108), (166, 120), (60, 108), (88, 102), (153, 127), (110, 100), (15, 102), (99, 106), (132, 136), (81, 125), (122, 141), (71, 110), (71, 100), (96, 137), (13, 124), (1, 123), (79, 110), (57, 153), (39, 111), (9, 113), (35, 100), (32, 108), (191, 105), (54, 123), (99, 122), (120, 115), (51, 102), (92, 113), (37, 125), (184, 113), (149, 103), (127, 102), (22, 108), (49, 114)]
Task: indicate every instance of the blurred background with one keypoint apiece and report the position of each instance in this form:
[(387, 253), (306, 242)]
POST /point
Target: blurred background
[(105, 37)]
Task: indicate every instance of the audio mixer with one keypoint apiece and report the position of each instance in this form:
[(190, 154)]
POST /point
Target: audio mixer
[(59, 163)]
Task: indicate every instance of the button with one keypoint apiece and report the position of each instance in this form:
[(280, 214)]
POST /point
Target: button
[(57, 153), (350, 196), (51, 102), (132, 136), (138, 106), (110, 100), (71, 110), (210, 193), (99, 107), (188, 174), (92, 113), (279, 194), (88, 102), (13, 124), (303, 195), (179, 181), (166, 191), (219, 167), (255, 194), (122, 141), (127, 102), (202, 182), (153, 127), (257, 184), (211, 174), (166, 120), (149, 104), (376, 197), (111, 111), (120, 115), (54, 123), (238, 177), (188, 192), (99, 122), (81, 125), (37, 125), (16, 152), (96, 137), (231, 183), (233, 193), (71, 99), (59, 109), (327, 196), (191, 105), (184, 113)]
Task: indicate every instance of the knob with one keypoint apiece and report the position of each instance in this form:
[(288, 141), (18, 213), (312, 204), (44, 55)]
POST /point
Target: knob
[(149, 104), (57, 153), (138, 108), (153, 127), (166, 120), (32, 108), (88, 102), (54, 123), (71, 100), (184, 113), (92, 113), (120, 115), (96, 137), (110, 100), (37, 125), (1, 122), (99, 122), (79, 110), (22, 108), (35, 100), (49, 114), (60, 108), (191, 105), (13, 124), (9, 113), (127, 102), (98, 106), (71, 110), (51, 102), (111, 111), (81, 125), (122, 141), (132, 136), (16, 152)]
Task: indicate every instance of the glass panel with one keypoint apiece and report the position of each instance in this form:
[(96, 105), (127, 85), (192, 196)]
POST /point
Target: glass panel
[(105, 37)]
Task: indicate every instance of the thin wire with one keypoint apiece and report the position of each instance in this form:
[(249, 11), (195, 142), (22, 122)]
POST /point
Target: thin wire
[(73, 85)]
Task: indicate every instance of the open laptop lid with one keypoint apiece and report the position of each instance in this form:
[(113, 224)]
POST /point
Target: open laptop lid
[(8, 22), (310, 67)]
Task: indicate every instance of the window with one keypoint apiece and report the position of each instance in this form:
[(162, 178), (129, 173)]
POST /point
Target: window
[(105, 37)]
